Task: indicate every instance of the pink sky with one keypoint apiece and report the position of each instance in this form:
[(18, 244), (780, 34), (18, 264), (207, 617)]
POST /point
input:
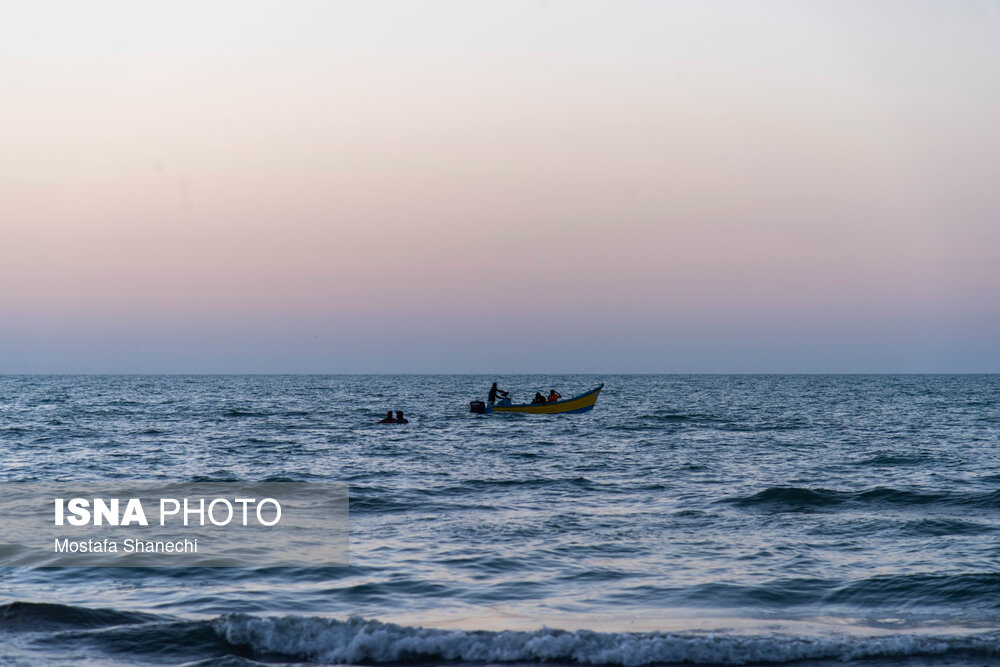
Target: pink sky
[(550, 186)]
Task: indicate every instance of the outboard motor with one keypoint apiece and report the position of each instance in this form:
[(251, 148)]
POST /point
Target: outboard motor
[(478, 407)]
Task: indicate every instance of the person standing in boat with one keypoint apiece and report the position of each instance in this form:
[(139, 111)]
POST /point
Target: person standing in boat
[(554, 395), (494, 390)]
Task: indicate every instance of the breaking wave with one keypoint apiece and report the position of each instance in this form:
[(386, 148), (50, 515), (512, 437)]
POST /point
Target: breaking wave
[(244, 639), (372, 642)]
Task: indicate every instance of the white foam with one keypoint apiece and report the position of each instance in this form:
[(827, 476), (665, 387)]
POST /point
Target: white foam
[(359, 640)]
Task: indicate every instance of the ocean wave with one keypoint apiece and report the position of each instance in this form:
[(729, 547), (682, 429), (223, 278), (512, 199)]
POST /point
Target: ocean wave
[(40, 616), (896, 459), (240, 639), (929, 590), (505, 485), (364, 641), (236, 412), (790, 498), (944, 526), (970, 590)]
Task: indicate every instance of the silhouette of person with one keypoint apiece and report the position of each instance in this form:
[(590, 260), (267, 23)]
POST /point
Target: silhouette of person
[(494, 390)]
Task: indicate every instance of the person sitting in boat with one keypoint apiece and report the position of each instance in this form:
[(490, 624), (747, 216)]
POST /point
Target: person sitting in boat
[(399, 418), (539, 399), (554, 396), (388, 418), (494, 390)]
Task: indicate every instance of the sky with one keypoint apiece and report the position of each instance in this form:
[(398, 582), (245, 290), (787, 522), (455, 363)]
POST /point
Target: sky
[(520, 186)]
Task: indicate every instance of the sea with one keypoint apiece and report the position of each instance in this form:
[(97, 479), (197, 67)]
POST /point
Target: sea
[(687, 519)]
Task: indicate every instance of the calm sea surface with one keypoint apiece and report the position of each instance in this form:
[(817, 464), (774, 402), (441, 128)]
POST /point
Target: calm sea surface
[(706, 519)]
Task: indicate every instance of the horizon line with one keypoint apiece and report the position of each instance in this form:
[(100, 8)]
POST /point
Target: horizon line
[(494, 373)]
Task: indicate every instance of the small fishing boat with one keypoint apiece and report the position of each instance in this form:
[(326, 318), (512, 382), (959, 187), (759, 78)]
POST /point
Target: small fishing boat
[(581, 403)]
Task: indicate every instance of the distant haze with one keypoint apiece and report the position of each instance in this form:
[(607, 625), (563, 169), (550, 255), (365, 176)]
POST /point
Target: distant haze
[(500, 186)]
